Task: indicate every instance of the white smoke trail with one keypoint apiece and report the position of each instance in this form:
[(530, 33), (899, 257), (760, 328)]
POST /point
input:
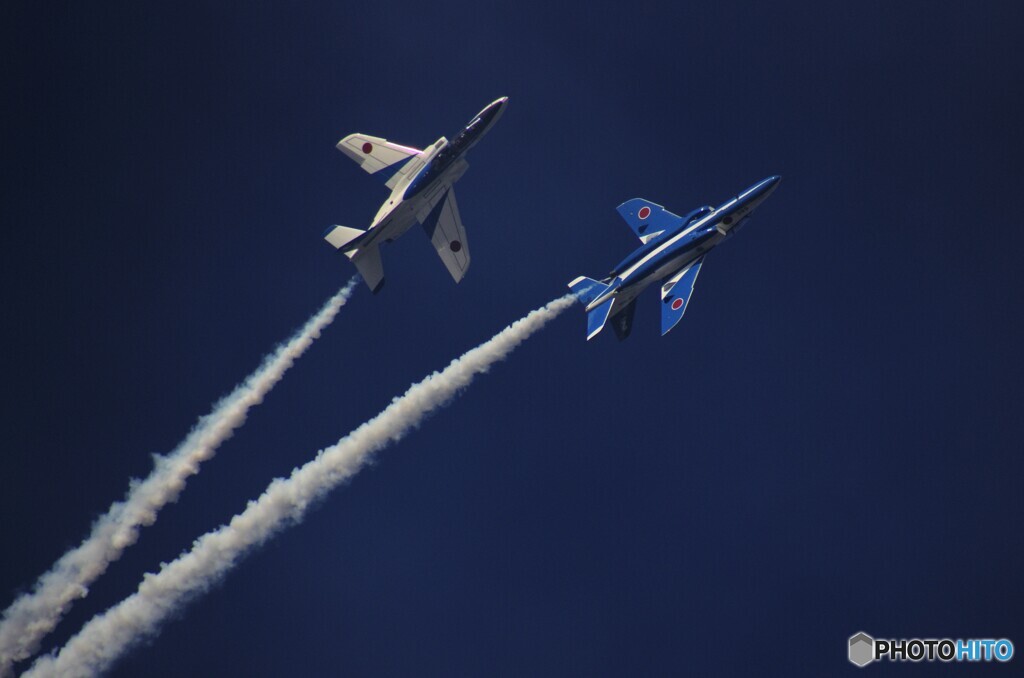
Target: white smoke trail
[(284, 502), (31, 616)]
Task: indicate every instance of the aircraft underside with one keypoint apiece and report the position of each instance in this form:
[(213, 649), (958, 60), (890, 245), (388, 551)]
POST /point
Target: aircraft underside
[(421, 184)]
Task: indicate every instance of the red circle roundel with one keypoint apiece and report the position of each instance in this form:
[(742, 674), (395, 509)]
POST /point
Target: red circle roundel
[(644, 212), (367, 147), (677, 304)]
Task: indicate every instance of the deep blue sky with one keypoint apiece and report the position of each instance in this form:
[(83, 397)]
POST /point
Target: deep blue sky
[(829, 442)]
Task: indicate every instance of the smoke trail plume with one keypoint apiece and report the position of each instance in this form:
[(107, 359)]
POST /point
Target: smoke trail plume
[(31, 616), (284, 502)]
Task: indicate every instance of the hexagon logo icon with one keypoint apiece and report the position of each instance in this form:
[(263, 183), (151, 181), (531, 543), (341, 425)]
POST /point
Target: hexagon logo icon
[(862, 649)]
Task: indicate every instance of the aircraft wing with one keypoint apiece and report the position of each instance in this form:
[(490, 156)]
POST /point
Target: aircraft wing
[(647, 219), (675, 295), (375, 154), (444, 228)]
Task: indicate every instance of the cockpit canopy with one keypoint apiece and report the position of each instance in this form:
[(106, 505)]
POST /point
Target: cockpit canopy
[(698, 214)]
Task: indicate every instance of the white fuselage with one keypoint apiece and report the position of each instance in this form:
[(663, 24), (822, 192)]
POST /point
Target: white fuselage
[(398, 214)]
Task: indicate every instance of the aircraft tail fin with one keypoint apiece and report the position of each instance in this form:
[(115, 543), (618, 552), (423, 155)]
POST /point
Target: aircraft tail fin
[(597, 317), (340, 236), (622, 323), (587, 289), (367, 262)]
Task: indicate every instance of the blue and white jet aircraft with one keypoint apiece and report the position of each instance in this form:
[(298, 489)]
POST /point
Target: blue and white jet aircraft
[(421, 191), (673, 250)]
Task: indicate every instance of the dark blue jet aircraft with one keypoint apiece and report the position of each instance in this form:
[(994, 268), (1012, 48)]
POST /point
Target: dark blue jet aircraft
[(672, 252)]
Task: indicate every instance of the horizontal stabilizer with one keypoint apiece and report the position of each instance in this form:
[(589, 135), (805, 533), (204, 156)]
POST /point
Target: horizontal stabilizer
[(368, 264), (647, 219), (675, 295), (339, 236), (598, 317), (587, 289), (375, 154)]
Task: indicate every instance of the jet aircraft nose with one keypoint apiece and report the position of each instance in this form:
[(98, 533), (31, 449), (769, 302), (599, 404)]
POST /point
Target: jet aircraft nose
[(486, 118), (494, 109), (756, 194)]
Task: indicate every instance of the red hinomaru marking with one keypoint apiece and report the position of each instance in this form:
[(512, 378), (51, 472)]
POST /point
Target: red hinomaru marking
[(367, 147), (677, 304), (644, 212)]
